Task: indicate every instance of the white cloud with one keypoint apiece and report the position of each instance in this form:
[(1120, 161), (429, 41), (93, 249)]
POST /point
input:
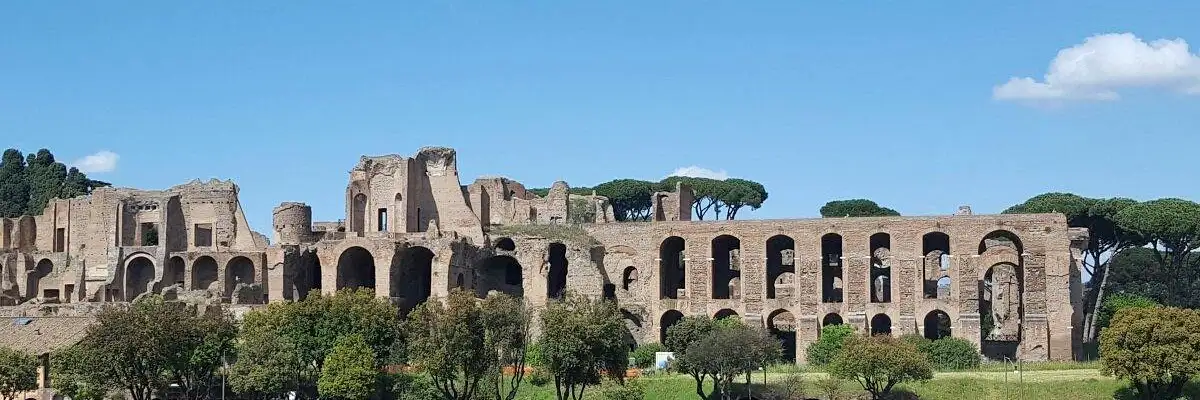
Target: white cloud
[(1096, 68), (700, 172), (99, 162)]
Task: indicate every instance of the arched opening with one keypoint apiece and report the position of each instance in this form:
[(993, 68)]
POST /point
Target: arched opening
[(936, 249), (943, 287), (1001, 238), (501, 273), (629, 278), (239, 271), (937, 325), (881, 324), (782, 325), (204, 273), (633, 328), (506, 244), (1000, 310), (726, 265), (831, 319), (356, 269), (669, 318), (358, 214), (412, 276), (305, 275), (397, 214), (175, 272), (139, 273), (40, 271), (831, 268), (556, 282), (671, 267), (781, 259), (725, 313), (881, 271)]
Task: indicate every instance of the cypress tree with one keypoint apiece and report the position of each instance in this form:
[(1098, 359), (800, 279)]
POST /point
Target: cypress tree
[(14, 190)]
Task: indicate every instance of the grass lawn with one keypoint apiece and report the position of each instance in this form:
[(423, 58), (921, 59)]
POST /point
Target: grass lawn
[(1082, 382)]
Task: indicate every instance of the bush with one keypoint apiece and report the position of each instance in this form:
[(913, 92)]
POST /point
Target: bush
[(643, 356), (631, 390), (827, 347), (878, 363), (951, 353), (831, 387), (1120, 301), (533, 354), (539, 377), (413, 387), (788, 388), (1156, 349)]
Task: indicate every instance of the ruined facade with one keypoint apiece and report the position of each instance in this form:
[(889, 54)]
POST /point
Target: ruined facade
[(412, 231)]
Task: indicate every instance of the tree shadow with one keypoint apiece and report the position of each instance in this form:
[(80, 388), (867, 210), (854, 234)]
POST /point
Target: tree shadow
[(1190, 391)]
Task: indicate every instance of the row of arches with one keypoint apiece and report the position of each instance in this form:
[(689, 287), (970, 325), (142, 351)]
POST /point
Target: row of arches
[(726, 272), (140, 274)]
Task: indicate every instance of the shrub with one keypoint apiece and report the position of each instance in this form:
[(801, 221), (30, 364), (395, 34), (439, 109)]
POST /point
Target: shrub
[(831, 387), (1120, 301), (533, 354), (788, 388), (539, 377), (1156, 349), (878, 363), (951, 353), (631, 390), (349, 371), (916, 340), (413, 387), (643, 356), (827, 347)]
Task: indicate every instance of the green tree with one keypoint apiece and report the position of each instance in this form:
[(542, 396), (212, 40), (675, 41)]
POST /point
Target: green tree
[(305, 332), (855, 208), (878, 363), (829, 344), (730, 351), (1156, 349), (679, 338), (644, 355), (1172, 228), (506, 322), (18, 373), (1105, 238), (581, 338), (707, 193), (349, 370), (14, 189), (742, 193), (630, 198), (71, 372), (447, 342), (1120, 301)]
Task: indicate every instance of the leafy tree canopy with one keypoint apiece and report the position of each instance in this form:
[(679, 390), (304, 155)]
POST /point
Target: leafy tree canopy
[(18, 373), (878, 363), (349, 372), (632, 198), (856, 208), (1156, 349), (580, 338), (28, 183), (447, 342)]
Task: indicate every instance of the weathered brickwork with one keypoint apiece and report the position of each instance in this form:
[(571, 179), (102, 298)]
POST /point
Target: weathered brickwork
[(412, 231)]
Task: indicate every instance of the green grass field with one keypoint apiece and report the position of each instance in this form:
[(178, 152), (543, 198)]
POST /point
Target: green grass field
[(1074, 381)]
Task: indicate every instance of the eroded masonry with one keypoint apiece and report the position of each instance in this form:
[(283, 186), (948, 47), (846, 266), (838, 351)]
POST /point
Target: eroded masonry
[(412, 231)]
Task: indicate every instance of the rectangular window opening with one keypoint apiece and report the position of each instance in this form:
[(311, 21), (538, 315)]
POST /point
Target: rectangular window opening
[(149, 234), (202, 235), (383, 220), (60, 240)]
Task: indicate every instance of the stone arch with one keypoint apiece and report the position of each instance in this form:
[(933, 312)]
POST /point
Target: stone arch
[(633, 328), (1000, 303), (881, 271), (411, 276), (781, 259), (356, 268), (502, 273), (41, 270), (629, 278), (175, 272), (139, 275), (782, 324), (935, 248), (725, 313), (556, 281), (669, 318), (671, 267), (937, 325), (1001, 238), (204, 273), (305, 274), (358, 214), (881, 324), (726, 264), (832, 319), (506, 244), (239, 270), (831, 268)]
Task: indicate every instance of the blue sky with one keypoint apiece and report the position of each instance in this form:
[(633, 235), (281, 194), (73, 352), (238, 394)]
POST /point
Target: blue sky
[(901, 102)]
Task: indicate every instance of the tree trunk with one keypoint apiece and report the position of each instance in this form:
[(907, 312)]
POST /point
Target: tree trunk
[(1090, 332)]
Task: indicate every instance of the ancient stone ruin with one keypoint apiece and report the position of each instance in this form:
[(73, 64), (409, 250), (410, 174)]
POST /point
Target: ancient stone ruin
[(412, 231)]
